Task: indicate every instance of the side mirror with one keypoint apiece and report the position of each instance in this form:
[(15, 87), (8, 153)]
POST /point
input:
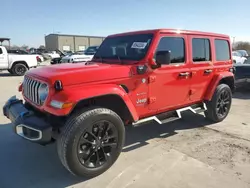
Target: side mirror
[(163, 58)]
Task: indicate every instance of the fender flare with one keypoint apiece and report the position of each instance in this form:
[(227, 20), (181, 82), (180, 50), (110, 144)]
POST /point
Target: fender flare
[(214, 83), (78, 94), (17, 62)]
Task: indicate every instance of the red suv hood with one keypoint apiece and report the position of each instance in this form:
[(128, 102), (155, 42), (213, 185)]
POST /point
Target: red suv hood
[(71, 74)]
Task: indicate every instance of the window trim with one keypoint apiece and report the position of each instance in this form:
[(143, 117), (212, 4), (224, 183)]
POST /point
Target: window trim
[(210, 49), (185, 54), (229, 51)]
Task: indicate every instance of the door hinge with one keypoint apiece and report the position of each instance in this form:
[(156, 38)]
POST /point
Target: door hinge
[(151, 100), (152, 79)]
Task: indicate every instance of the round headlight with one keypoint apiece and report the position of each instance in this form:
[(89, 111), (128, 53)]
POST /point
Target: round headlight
[(43, 92)]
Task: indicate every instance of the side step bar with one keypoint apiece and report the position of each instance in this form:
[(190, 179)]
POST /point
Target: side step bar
[(167, 117)]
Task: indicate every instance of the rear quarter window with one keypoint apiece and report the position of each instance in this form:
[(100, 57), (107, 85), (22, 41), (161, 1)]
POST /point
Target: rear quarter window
[(222, 50)]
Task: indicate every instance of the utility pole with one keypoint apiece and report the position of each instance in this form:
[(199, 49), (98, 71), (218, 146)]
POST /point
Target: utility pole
[(233, 39)]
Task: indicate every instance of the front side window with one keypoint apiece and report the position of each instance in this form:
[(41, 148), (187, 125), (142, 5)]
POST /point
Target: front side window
[(175, 45), (222, 50), (201, 50), (127, 47), (1, 51)]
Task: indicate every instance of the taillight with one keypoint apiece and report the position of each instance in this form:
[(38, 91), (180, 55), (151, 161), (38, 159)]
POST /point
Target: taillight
[(38, 59), (20, 87)]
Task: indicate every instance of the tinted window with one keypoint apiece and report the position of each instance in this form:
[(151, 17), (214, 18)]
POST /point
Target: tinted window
[(175, 45), (201, 50), (222, 50), (1, 51)]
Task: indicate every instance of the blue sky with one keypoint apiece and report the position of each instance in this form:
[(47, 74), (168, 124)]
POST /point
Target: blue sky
[(27, 22)]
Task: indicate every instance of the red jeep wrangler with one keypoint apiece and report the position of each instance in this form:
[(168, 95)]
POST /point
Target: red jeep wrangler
[(133, 78)]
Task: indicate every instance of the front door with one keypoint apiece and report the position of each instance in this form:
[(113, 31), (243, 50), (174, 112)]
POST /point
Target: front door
[(202, 68), (3, 60), (169, 85)]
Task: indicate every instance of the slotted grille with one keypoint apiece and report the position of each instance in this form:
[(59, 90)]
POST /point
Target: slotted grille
[(30, 90)]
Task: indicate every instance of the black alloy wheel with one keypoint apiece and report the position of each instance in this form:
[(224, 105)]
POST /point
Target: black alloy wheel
[(97, 144), (19, 69), (219, 106), (91, 141), (223, 103)]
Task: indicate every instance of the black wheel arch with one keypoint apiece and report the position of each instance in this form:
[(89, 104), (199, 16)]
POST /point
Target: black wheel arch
[(20, 62), (111, 101), (230, 81)]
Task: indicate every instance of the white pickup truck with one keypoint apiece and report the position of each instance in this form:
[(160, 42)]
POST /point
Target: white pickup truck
[(17, 64)]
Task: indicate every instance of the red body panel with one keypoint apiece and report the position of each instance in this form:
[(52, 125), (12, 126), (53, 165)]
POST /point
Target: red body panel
[(216, 79), (76, 94), (155, 91)]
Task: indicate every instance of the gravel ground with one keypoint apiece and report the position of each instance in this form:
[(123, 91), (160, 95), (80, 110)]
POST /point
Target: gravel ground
[(185, 153)]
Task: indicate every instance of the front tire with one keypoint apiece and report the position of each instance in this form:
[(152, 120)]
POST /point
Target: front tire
[(91, 141), (220, 105)]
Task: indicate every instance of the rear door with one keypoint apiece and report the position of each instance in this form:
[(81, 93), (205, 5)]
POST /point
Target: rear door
[(169, 85), (202, 68)]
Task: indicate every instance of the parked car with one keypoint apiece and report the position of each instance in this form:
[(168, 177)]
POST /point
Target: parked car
[(51, 54), (238, 58), (242, 74), (243, 53), (91, 50), (77, 57), (15, 63), (133, 78), (57, 60)]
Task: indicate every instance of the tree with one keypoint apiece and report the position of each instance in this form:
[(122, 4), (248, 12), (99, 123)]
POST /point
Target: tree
[(24, 47), (42, 47), (241, 45)]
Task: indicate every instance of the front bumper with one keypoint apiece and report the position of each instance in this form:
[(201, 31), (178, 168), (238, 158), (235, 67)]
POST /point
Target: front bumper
[(26, 123)]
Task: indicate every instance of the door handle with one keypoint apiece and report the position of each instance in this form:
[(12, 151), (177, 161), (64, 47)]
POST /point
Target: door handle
[(208, 71), (184, 74)]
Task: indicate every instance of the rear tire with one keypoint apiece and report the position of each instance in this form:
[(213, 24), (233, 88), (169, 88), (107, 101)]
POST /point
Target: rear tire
[(91, 141), (220, 105), (19, 69)]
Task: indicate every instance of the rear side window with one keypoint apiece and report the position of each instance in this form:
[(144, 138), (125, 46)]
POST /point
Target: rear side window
[(177, 47), (222, 50), (1, 51), (201, 50)]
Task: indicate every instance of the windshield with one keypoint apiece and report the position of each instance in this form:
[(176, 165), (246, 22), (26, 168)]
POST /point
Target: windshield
[(129, 47)]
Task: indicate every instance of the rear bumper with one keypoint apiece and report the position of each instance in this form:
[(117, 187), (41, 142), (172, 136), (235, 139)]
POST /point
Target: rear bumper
[(26, 123)]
